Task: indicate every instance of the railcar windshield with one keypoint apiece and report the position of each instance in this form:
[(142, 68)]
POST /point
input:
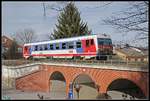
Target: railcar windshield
[(102, 41)]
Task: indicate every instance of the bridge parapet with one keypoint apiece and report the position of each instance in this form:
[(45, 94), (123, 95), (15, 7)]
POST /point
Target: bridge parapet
[(127, 68), (73, 64), (91, 62), (17, 71)]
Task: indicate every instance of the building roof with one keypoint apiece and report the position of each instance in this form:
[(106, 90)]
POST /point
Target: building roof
[(131, 52), (6, 41)]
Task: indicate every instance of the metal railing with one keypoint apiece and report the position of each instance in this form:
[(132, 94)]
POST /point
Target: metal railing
[(75, 61)]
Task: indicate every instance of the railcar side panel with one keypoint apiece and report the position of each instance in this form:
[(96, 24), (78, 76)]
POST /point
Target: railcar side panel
[(82, 46), (88, 47)]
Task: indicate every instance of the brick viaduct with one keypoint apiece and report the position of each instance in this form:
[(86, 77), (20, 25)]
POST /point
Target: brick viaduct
[(39, 80)]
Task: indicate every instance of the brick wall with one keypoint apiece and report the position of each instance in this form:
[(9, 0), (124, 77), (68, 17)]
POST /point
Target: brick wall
[(39, 81)]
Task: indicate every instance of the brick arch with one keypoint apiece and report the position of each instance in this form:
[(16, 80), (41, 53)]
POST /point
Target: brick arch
[(49, 76), (105, 77), (75, 72), (82, 73), (130, 80), (120, 79), (74, 75), (56, 71), (127, 77), (89, 76)]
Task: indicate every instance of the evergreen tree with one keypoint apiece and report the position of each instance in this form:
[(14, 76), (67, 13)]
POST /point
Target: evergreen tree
[(70, 24)]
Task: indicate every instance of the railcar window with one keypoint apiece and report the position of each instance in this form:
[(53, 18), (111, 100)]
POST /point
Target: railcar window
[(45, 47), (104, 41), (109, 41), (36, 48), (41, 48), (92, 41), (25, 48), (70, 45), (63, 45), (100, 41), (87, 43), (51, 46), (57, 45), (78, 44)]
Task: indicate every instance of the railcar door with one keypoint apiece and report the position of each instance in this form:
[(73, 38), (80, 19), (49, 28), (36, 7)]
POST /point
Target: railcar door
[(27, 51), (89, 46)]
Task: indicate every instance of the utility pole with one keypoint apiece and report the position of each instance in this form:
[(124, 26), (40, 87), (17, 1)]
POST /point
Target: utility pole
[(44, 8)]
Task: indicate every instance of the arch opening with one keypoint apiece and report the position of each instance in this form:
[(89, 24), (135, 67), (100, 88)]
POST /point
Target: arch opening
[(57, 85), (87, 87), (124, 89)]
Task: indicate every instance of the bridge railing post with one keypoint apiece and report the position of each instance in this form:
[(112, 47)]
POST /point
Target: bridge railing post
[(111, 62), (119, 62), (8, 78), (136, 64), (104, 63), (127, 62)]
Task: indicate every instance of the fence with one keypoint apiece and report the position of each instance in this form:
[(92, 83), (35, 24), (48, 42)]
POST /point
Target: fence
[(77, 61)]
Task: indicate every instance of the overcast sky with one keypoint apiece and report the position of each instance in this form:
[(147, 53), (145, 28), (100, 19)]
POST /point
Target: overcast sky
[(20, 15)]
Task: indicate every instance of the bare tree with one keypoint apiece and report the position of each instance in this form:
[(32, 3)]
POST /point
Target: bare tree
[(56, 6), (25, 36), (12, 52), (133, 19)]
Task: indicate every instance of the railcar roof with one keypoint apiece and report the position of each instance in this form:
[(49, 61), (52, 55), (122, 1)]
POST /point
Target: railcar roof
[(69, 39)]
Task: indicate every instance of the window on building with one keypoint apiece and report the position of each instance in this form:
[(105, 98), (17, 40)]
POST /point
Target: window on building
[(63, 45), (51, 46), (87, 43), (129, 59), (19, 50), (142, 59), (70, 45), (4, 40), (78, 44), (6, 49)]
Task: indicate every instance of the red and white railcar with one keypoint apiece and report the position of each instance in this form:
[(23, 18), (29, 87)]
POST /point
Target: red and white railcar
[(83, 46)]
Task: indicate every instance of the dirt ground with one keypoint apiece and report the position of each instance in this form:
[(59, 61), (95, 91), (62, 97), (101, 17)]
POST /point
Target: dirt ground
[(13, 94)]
